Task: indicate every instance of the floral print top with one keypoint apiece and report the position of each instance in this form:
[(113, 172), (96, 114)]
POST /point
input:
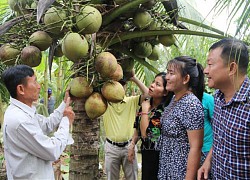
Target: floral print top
[(179, 117), (154, 128)]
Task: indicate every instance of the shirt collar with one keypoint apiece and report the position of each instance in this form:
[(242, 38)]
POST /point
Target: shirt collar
[(29, 110), (241, 95)]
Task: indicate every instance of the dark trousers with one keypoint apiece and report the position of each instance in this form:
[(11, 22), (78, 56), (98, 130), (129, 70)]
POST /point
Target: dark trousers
[(150, 164)]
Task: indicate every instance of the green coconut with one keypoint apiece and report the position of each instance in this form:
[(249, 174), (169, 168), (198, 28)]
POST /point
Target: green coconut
[(31, 56), (19, 5), (95, 105), (113, 91), (33, 5), (154, 25), (142, 19), (8, 54), (40, 39), (155, 55), (167, 40), (80, 87), (89, 20), (75, 46), (54, 19), (143, 49), (118, 74), (105, 64)]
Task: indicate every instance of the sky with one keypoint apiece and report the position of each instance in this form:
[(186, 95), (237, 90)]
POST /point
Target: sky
[(220, 22)]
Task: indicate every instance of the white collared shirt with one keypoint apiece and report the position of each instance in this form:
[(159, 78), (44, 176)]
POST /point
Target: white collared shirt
[(28, 150)]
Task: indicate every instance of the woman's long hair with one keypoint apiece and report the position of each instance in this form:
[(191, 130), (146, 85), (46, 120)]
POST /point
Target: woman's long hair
[(188, 66)]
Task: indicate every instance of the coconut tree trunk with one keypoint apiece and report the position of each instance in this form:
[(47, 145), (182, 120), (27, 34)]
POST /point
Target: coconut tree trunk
[(84, 152)]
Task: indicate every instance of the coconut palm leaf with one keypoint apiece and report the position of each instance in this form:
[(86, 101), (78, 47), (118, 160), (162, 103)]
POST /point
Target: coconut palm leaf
[(240, 9), (244, 21)]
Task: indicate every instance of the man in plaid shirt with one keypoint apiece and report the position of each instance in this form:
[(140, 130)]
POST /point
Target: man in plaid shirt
[(226, 71)]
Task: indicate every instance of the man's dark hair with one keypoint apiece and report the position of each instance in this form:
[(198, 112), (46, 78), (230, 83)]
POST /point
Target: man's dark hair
[(233, 50), (14, 76)]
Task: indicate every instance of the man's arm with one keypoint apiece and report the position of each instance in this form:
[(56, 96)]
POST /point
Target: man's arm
[(204, 170), (48, 124), (33, 140)]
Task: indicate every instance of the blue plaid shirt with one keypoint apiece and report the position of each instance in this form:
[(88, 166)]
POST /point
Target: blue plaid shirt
[(231, 127)]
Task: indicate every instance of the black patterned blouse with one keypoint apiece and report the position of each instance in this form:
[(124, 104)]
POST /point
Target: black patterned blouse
[(178, 117), (154, 128)]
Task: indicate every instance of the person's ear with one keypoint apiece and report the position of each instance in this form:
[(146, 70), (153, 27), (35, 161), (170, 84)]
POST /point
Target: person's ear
[(20, 89), (186, 79), (233, 67)]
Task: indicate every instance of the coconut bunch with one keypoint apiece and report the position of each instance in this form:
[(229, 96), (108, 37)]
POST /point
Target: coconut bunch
[(111, 72), (146, 47), (39, 41), (22, 6), (74, 44), (30, 54), (111, 90)]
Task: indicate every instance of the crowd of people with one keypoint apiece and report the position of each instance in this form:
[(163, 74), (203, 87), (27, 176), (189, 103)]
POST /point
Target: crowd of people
[(185, 132)]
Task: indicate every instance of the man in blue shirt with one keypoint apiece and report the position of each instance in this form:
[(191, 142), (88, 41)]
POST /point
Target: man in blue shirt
[(51, 101), (226, 71)]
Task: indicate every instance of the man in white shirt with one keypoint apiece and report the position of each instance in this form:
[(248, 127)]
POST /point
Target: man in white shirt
[(28, 150)]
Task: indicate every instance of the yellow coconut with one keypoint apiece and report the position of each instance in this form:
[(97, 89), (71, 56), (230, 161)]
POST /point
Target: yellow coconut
[(113, 91), (118, 74), (80, 87), (95, 105), (105, 64)]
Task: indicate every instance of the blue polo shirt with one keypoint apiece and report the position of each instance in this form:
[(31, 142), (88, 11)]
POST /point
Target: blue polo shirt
[(208, 106)]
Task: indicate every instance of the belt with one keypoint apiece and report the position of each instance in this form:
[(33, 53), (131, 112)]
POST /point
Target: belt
[(119, 144)]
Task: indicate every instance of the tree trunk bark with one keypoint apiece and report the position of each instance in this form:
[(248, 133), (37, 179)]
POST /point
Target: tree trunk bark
[(84, 160)]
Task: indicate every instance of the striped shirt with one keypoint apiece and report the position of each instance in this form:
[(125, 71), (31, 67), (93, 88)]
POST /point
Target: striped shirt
[(231, 127)]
